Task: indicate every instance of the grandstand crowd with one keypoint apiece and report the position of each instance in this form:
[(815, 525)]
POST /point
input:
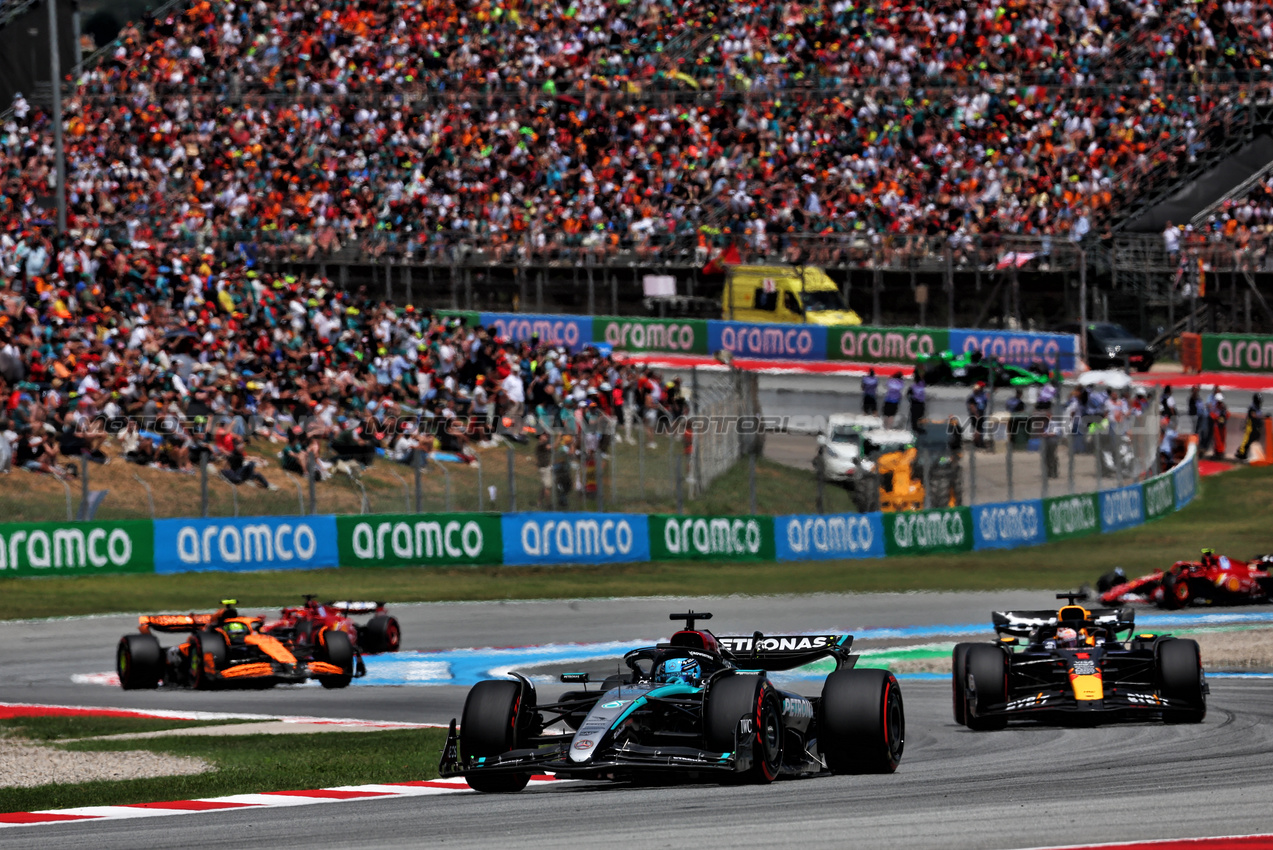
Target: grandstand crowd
[(223, 135)]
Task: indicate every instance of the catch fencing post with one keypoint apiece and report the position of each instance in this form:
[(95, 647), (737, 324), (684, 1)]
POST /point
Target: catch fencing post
[(1099, 476), (641, 456), (751, 481), (83, 484), (313, 489), (1043, 464), (972, 474), (479, 481), (512, 480), (300, 496), (676, 472), (821, 504), (1008, 461), (203, 485), (1071, 463), (417, 461), (150, 496)]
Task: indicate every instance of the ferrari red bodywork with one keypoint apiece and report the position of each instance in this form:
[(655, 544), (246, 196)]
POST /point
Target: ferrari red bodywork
[(1214, 580), (381, 633)]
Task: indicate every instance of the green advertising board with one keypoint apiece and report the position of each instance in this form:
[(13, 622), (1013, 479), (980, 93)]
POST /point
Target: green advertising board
[(408, 540), (674, 336), (1072, 516), (1237, 353), (926, 532), (77, 548), (746, 538), (1158, 495), (885, 345)]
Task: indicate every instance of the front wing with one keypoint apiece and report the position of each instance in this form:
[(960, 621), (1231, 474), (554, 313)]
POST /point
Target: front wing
[(610, 763), (1115, 703)]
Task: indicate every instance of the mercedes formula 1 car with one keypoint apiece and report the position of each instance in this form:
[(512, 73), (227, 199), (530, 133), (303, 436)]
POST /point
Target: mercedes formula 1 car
[(225, 650), (1070, 665), (1213, 580), (303, 624), (698, 706)]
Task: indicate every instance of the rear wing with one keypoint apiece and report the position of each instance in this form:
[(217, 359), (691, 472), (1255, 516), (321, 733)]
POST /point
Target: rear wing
[(786, 652), (356, 607), (1025, 623), (174, 622)]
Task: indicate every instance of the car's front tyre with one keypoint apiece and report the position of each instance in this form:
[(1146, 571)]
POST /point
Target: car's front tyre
[(987, 671), (1180, 678), (139, 661), (492, 725), (728, 701)]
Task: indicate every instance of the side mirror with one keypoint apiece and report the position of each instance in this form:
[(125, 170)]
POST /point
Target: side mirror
[(574, 678)]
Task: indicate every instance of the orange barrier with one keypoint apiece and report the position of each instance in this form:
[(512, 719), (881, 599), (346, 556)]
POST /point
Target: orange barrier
[(1191, 352)]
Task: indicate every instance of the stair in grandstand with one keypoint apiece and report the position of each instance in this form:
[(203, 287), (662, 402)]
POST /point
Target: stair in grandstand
[(10, 9), (1232, 158)]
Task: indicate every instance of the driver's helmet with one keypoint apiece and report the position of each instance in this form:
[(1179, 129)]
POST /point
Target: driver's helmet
[(236, 630), (1067, 638), (1209, 558), (685, 671)]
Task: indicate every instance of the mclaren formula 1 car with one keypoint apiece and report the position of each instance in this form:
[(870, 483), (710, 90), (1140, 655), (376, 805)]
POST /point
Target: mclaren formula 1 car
[(1213, 580), (1071, 665), (304, 623), (225, 650), (697, 706)]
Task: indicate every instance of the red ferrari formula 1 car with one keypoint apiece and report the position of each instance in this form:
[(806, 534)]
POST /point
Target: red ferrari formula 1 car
[(302, 624), (1213, 580), (230, 651)]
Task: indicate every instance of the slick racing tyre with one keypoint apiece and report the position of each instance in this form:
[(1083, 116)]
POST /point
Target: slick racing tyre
[(1176, 592), (335, 648), (959, 682), (862, 722), (139, 662), (987, 673), (729, 701), (493, 724), (381, 634), (1180, 677), (208, 654)]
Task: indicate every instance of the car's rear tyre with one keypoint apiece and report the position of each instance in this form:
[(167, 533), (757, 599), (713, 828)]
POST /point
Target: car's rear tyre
[(336, 649), (381, 634), (959, 682), (987, 672), (861, 722), (493, 724), (1180, 677), (728, 701), (140, 662), (1176, 592), (208, 654)]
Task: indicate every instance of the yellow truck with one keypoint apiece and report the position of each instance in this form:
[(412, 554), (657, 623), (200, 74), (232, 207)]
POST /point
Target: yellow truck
[(784, 294)]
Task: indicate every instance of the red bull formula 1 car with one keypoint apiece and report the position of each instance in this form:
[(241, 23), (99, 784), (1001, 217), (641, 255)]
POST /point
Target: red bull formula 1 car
[(697, 706), (304, 623), (225, 650), (1070, 665), (1213, 580)]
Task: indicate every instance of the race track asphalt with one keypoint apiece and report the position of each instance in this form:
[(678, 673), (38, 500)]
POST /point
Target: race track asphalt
[(1024, 787)]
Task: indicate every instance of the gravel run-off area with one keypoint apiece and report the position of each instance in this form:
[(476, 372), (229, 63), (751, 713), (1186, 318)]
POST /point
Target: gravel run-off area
[(24, 764)]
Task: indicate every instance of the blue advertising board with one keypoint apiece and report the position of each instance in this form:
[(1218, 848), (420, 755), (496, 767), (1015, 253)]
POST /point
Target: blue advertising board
[(1122, 508), (1185, 478), (574, 332), (806, 537), (1056, 351), (1006, 525), (768, 340), (246, 544), (575, 538)]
